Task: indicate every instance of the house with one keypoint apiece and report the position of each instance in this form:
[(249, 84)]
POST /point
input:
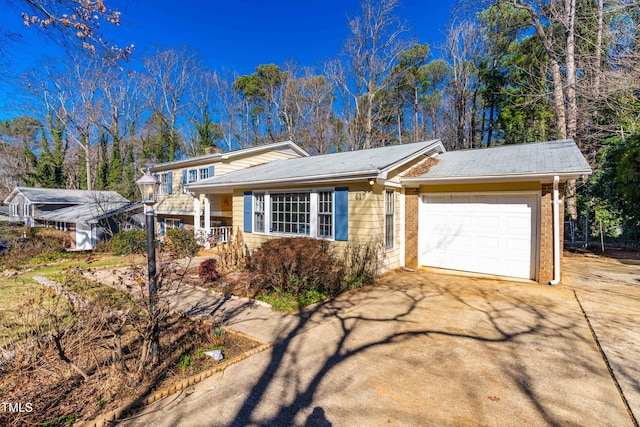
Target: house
[(494, 210), (4, 213), (209, 215), (87, 216)]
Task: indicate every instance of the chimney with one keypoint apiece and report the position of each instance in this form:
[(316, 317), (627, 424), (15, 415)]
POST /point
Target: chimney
[(212, 149)]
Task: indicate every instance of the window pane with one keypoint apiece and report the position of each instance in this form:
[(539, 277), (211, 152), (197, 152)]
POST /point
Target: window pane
[(289, 213), (259, 212), (389, 219), (325, 214)]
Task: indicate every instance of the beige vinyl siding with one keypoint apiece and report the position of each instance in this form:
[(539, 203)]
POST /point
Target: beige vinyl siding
[(180, 202), (225, 166), (176, 202), (366, 218)]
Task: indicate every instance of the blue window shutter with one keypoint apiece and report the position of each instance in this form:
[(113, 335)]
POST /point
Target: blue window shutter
[(184, 177), (341, 196), (248, 204), (210, 171), (162, 226), (182, 223), (169, 182)]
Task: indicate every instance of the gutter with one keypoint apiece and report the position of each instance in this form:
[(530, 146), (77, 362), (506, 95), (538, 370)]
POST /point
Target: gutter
[(482, 179), (316, 179), (556, 232)]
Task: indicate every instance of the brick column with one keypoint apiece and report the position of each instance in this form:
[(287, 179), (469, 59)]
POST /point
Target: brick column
[(545, 274), (411, 228)]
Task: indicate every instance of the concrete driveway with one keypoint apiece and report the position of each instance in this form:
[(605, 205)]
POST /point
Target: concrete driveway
[(420, 348)]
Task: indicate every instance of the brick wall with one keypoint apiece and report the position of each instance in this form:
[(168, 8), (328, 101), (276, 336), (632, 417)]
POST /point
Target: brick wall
[(411, 228), (545, 274)]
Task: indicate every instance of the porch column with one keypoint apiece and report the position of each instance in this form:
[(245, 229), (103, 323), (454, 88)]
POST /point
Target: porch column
[(196, 213), (207, 213)]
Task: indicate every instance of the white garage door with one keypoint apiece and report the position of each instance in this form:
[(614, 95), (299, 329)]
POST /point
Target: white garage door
[(492, 234)]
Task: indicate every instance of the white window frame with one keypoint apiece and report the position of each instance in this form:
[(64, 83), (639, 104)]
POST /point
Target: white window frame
[(203, 173), (389, 219), (259, 214), (170, 223), (313, 212), (329, 214), (192, 175), (164, 183)]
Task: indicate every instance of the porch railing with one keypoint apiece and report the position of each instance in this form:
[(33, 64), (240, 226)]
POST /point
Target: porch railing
[(212, 236)]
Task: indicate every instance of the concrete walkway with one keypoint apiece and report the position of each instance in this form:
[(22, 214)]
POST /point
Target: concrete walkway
[(418, 349)]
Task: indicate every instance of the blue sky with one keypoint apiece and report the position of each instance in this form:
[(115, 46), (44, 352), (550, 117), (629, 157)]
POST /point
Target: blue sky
[(234, 35)]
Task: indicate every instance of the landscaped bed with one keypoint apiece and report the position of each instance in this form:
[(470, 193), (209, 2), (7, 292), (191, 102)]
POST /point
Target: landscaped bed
[(75, 350), (52, 393)]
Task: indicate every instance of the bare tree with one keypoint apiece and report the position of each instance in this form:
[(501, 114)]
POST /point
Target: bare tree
[(170, 74), (461, 49), (372, 49)]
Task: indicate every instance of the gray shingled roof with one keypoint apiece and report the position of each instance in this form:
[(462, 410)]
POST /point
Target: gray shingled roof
[(543, 158), (64, 196), (86, 213), (334, 166)]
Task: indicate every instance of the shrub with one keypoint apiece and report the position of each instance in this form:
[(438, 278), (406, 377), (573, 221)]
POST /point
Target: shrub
[(181, 243), (294, 272), (208, 270), (129, 242), (40, 245), (232, 253), (293, 265), (361, 263)]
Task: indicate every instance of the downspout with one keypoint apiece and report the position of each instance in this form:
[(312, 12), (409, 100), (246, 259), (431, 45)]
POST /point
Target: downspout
[(556, 232)]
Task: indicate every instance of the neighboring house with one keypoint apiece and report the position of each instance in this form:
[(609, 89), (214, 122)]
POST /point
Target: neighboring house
[(486, 210), (87, 216), (4, 213), (209, 215)]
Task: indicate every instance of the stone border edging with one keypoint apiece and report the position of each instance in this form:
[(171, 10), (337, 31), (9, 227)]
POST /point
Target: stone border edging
[(108, 418)]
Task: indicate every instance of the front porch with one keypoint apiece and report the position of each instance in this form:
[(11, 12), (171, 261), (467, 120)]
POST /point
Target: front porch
[(212, 218), (209, 237)]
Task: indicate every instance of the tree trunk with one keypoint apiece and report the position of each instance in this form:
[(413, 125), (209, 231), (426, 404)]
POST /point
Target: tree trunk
[(572, 106), (556, 74), (87, 161)]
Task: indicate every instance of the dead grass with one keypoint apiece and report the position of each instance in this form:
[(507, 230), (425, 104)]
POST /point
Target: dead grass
[(57, 393)]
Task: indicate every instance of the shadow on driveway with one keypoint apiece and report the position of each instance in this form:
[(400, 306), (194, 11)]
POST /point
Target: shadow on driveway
[(417, 349)]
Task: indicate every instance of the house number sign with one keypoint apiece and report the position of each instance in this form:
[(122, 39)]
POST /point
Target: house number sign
[(361, 195)]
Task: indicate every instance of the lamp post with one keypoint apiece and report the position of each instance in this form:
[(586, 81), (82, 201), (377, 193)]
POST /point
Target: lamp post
[(148, 185)]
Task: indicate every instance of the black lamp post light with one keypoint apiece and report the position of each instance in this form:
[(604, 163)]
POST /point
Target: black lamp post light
[(148, 185)]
